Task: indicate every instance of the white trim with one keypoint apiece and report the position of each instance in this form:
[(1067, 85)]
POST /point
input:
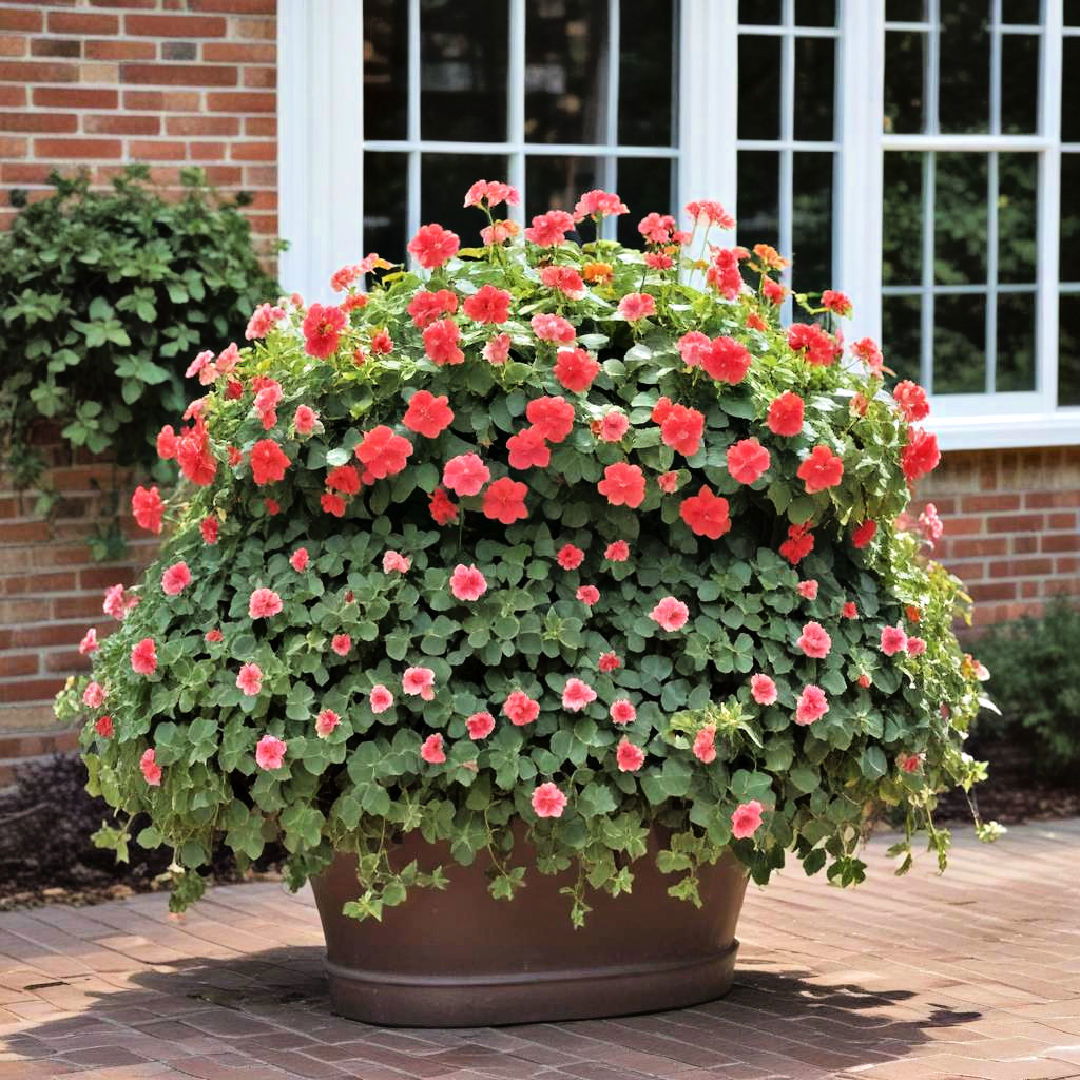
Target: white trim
[(1060, 427), (320, 112)]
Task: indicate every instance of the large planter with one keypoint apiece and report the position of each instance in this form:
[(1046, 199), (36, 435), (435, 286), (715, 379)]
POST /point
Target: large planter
[(457, 958)]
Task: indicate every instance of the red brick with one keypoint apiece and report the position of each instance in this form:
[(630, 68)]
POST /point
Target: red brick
[(995, 590), (68, 149), (31, 71), (1053, 542), (234, 52), (1040, 500), (1014, 523), (1062, 521), (959, 549), (76, 607), (12, 96), (38, 121), (241, 103), (30, 689), (1067, 564), (161, 100), (235, 7), (24, 664), (56, 47), (25, 532), (63, 98), (202, 125), (1025, 544), (31, 637), (175, 26), (206, 151), (65, 662), (266, 29), (260, 78), (21, 19), (177, 74), (120, 50), (72, 22), (260, 126), (253, 151), (1021, 568), (121, 125), (13, 45), (161, 150)]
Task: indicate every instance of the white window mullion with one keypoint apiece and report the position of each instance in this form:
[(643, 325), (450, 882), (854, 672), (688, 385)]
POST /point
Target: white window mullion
[(412, 124), (515, 107)]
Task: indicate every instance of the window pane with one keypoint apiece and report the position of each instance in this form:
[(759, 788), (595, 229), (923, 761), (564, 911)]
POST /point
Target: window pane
[(960, 219), (959, 344), (1016, 341), (462, 71), (815, 13), (901, 335), (1070, 115), (1072, 12), (566, 70), (385, 58), (647, 72), (902, 230), (1070, 217), (554, 183), (904, 78), (1019, 84), (444, 179), (384, 204), (811, 225), (965, 66), (905, 10), (644, 184), (1020, 11), (759, 87), (1017, 185), (760, 12), (1069, 357), (758, 183), (814, 88)]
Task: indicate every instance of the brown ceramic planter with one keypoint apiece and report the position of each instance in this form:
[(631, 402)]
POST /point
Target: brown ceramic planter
[(457, 958)]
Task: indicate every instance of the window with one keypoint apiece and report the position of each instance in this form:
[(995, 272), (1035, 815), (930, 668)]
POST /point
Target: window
[(918, 154)]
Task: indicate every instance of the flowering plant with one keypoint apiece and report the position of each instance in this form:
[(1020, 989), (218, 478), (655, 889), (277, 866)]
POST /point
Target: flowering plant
[(540, 534)]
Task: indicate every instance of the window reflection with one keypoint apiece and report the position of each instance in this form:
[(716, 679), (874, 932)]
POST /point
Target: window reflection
[(555, 182), (901, 335), (1015, 342), (645, 184), (902, 226), (959, 344), (960, 217), (385, 65), (965, 68), (646, 72), (811, 222), (385, 205)]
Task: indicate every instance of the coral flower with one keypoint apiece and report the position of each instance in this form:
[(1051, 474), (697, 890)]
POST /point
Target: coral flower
[(588, 594), (380, 699), (893, 640), (208, 529), (425, 307), (746, 819), (808, 590), (763, 689), (89, 642), (575, 369), (821, 470), (333, 504), (553, 417), (441, 343), (916, 646), (726, 360), (175, 579), (441, 507), (565, 279), (548, 801), (419, 681), (623, 485), (166, 443), (623, 711), (814, 641), (681, 429), (570, 556), (704, 747), (614, 426), (268, 462), (264, 604), (394, 561), (706, 514), (491, 193), (597, 203), (670, 614), (431, 750), (505, 501), (270, 752), (577, 694), (480, 725), (668, 482), (617, 551), (427, 415), (150, 769), (609, 661), (299, 559), (692, 347), (488, 305), (382, 452), (849, 610), (550, 229), (628, 757), (147, 508), (304, 419), (322, 330), (497, 349), (527, 449), (636, 306), (747, 461), (798, 545), (520, 708), (325, 722), (144, 657), (249, 679), (343, 478), (94, 695), (920, 456), (467, 582), (811, 705), (465, 474), (864, 533), (432, 246), (911, 398), (103, 725), (553, 328), (786, 414), (214, 635)]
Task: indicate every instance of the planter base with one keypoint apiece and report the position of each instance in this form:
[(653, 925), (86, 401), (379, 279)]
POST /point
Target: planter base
[(457, 958)]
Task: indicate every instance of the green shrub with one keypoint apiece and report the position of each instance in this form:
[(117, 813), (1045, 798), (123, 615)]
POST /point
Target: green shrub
[(105, 297), (1034, 669)]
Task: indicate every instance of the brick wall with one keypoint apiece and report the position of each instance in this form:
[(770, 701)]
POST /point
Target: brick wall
[(99, 83)]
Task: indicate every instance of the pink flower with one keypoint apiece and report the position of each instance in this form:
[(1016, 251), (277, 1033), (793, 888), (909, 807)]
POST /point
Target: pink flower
[(214, 635), (916, 646), (864, 681), (89, 642), (668, 482), (431, 750), (623, 485), (270, 752), (629, 757), (623, 711), (763, 689), (933, 528), (807, 589), (467, 582), (710, 211), (380, 699), (480, 725), (609, 661), (599, 203), (488, 305), (441, 343), (548, 801), (570, 557), (149, 768), (497, 349), (505, 501), (94, 695), (746, 819), (103, 725), (419, 681), (636, 306), (811, 705), (268, 462), (614, 426), (395, 561), (528, 449), (427, 415), (554, 329), (910, 763), (553, 417), (465, 474), (564, 279), (893, 640), (147, 508), (577, 694), (322, 330), (382, 452), (799, 544), (249, 680), (657, 228), (432, 246), (299, 559), (849, 610), (520, 708), (617, 551), (814, 641), (262, 321), (167, 443), (747, 460), (588, 594), (264, 604), (325, 722), (670, 614), (144, 657), (491, 193), (550, 229), (208, 529), (175, 579), (692, 347), (341, 644), (704, 747)]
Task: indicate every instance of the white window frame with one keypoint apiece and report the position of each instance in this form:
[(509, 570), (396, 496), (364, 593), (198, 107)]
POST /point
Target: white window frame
[(321, 147)]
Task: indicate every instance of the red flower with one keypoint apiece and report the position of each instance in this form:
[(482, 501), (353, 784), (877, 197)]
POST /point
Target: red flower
[(681, 429), (425, 307), (813, 342), (726, 360), (520, 708), (528, 448), (921, 455), (636, 306), (322, 330), (194, 457), (814, 641), (268, 462), (588, 594), (837, 302), (550, 229), (381, 342), (441, 343), (609, 661), (465, 474), (553, 417), (427, 415), (565, 279), (575, 369), (433, 245), (570, 556), (208, 529), (382, 452), (505, 501), (103, 725), (144, 657), (798, 545), (849, 610), (166, 443), (623, 485), (706, 514), (864, 533), (912, 400), (442, 508), (333, 504), (488, 305), (662, 410), (747, 460), (821, 470), (617, 551), (147, 508), (343, 478), (786, 414), (668, 481)]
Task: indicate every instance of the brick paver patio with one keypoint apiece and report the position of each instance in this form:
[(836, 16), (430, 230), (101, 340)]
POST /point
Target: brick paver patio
[(974, 974)]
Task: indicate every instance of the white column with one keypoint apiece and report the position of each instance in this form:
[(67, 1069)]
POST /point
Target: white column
[(320, 141)]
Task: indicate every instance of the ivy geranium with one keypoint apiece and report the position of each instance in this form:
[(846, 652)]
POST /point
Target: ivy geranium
[(543, 538)]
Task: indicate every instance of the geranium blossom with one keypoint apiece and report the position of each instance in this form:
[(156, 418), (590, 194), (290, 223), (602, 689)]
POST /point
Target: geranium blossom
[(270, 752), (863, 533), (433, 246), (382, 452), (528, 449), (920, 456), (814, 641), (103, 726), (912, 401), (467, 582), (588, 594), (431, 750), (299, 559), (617, 551), (394, 561), (747, 461), (785, 416), (704, 745), (419, 681), (693, 346), (553, 417), (622, 710), (147, 508), (322, 329), (93, 696), (497, 349), (441, 507), (597, 203), (548, 801), (488, 305), (577, 694), (441, 343), (746, 819), (380, 699), (144, 657), (916, 646), (480, 725), (670, 614), (726, 360), (504, 501), (150, 769), (808, 590), (343, 478), (636, 306), (893, 640), (268, 462), (249, 679), (175, 579), (264, 604), (628, 757), (763, 689), (550, 229), (569, 556), (564, 279), (613, 426), (799, 544), (623, 485), (425, 307), (89, 643), (931, 525), (341, 644), (465, 474), (681, 428), (706, 514), (520, 708), (821, 470), (609, 661), (304, 419), (575, 369), (837, 302), (325, 722), (811, 705)]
